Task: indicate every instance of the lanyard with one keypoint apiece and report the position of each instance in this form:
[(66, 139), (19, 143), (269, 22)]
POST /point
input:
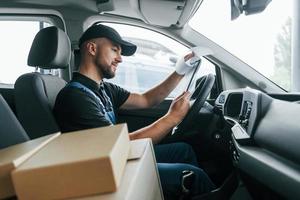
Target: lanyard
[(109, 114)]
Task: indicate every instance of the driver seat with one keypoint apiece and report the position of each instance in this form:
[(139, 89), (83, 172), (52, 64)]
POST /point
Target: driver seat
[(35, 93)]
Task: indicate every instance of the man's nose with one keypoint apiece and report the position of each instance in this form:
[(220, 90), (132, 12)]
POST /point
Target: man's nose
[(119, 58)]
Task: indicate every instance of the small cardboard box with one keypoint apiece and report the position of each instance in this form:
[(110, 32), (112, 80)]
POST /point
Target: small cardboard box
[(11, 157), (75, 164), (141, 178)]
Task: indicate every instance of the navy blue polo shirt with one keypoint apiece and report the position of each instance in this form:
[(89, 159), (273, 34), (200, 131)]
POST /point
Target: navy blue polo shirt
[(76, 109)]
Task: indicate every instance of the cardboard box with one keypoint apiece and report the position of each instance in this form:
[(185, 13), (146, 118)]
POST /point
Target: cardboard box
[(75, 164), (11, 157), (141, 178)]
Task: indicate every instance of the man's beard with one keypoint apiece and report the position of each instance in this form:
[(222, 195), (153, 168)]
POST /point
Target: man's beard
[(105, 72)]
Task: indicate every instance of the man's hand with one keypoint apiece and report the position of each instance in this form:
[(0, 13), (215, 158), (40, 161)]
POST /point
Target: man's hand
[(160, 128), (186, 63), (179, 108)]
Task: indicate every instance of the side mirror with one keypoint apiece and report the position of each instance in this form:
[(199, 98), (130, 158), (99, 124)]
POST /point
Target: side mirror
[(247, 7)]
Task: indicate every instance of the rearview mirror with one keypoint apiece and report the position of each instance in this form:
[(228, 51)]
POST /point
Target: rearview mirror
[(247, 7)]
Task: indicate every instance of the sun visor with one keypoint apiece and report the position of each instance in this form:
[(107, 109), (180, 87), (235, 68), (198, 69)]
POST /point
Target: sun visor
[(166, 12)]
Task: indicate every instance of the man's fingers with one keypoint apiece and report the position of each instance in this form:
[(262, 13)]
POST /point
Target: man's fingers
[(178, 97), (188, 56), (188, 95), (185, 94)]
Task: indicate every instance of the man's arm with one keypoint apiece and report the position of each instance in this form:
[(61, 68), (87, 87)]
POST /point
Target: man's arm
[(159, 129), (157, 94)]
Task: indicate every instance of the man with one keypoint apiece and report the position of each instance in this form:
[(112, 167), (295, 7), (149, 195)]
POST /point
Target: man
[(88, 102)]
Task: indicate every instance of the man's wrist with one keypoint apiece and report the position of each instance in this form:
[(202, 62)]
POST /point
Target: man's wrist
[(178, 74), (170, 119)]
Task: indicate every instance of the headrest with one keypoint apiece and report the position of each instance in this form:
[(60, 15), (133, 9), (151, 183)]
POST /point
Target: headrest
[(50, 49)]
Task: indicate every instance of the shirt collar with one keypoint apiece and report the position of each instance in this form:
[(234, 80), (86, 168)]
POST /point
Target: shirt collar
[(91, 84)]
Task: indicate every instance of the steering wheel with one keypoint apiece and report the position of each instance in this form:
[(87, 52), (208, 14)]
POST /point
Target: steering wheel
[(203, 88)]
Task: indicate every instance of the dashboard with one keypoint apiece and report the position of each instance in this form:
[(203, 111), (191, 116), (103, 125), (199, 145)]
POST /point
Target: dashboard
[(265, 138), (241, 107)]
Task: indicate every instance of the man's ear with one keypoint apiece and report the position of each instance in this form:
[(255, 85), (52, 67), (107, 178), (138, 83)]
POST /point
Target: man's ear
[(91, 48)]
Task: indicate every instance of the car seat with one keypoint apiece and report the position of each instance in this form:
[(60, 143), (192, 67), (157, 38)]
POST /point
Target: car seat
[(35, 93), (11, 131)]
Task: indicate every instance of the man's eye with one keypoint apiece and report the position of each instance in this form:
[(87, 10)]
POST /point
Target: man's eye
[(114, 49)]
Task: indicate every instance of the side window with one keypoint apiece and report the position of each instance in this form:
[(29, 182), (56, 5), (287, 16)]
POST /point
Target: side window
[(16, 39), (153, 62)]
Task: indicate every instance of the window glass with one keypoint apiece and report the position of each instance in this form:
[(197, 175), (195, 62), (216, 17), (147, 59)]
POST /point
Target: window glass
[(153, 62), (16, 39), (262, 40)]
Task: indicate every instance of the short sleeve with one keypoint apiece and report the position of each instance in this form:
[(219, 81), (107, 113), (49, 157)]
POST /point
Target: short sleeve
[(117, 94), (75, 110)]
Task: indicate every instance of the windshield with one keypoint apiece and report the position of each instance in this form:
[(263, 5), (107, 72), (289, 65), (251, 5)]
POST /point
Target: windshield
[(263, 40)]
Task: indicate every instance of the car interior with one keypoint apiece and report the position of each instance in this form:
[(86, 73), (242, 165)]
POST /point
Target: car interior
[(241, 124)]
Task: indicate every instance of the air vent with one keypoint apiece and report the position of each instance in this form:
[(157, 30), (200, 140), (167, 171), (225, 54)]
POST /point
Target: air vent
[(245, 114)]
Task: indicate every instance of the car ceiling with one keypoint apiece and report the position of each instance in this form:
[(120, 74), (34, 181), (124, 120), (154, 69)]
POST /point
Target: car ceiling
[(163, 13)]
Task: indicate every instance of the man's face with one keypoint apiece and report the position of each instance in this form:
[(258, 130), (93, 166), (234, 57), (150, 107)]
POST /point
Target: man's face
[(107, 57)]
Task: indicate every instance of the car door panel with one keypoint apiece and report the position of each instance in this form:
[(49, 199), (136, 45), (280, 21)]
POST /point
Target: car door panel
[(138, 118)]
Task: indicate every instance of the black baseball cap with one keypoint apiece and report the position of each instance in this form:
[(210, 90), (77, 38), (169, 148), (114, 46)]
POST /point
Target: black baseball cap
[(100, 30)]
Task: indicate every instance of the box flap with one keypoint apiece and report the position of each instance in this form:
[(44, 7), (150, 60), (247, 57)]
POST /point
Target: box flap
[(18, 153), (137, 148)]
